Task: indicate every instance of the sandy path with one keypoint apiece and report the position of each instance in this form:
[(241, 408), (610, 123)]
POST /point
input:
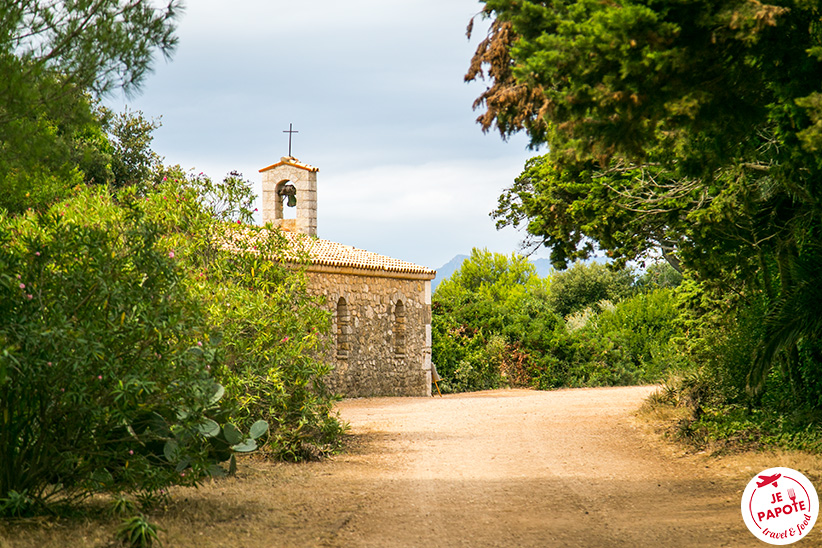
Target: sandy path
[(509, 468), (526, 468)]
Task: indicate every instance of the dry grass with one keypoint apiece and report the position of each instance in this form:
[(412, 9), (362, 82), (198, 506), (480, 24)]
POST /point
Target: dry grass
[(245, 510), (660, 423), (263, 497)]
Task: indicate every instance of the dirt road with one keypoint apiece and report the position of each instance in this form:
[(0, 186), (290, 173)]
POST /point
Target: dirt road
[(525, 468), (509, 468)]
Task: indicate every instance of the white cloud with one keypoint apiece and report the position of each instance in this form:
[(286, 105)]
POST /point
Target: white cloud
[(428, 212), (423, 192), (375, 88)]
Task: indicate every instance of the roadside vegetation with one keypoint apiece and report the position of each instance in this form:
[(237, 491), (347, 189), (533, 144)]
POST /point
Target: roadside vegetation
[(496, 323), (139, 353), (148, 333), (691, 132)]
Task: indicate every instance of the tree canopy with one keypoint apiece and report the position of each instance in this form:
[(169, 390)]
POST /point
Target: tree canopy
[(56, 58), (690, 127)]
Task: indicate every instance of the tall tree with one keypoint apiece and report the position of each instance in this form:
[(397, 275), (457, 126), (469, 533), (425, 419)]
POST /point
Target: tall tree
[(130, 134), (694, 127), (56, 57)]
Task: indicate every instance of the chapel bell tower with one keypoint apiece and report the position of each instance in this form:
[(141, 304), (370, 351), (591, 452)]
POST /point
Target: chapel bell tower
[(290, 183)]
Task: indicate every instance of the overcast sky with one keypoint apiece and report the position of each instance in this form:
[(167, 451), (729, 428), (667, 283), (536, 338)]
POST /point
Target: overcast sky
[(375, 89)]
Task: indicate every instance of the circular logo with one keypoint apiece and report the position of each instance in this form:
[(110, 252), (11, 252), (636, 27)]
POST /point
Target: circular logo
[(780, 506)]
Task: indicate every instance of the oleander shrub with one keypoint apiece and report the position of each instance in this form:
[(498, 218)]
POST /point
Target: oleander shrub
[(254, 295), (100, 361), (272, 331), (140, 348)]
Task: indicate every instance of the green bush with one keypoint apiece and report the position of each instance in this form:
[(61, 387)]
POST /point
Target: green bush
[(584, 285), (459, 354), (137, 532), (479, 317), (642, 327), (100, 361), (659, 275), (272, 331), (270, 327), (725, 331), (137, 351), (496, 323)]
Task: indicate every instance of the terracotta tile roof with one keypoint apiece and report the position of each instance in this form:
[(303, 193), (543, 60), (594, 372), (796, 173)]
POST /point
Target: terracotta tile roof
[(326, 253), (291, 161)]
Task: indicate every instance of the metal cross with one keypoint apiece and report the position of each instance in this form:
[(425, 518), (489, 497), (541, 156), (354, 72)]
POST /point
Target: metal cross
[(290, 132)]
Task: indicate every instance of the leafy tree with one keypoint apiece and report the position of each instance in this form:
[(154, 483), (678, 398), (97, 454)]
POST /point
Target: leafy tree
[(495, 323), (226, 201), (133, 162), (659, 275), (484, 269), (96, 45), (474, 306), (104, 357), (56, 58), (584, 285), (693, 128)]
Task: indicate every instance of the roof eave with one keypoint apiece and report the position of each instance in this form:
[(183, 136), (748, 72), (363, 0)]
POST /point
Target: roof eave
[(369, 272), (291, 161)]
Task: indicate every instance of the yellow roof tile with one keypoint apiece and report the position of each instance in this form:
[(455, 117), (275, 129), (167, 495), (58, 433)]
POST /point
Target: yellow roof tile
[(327, 253), (332, 254)]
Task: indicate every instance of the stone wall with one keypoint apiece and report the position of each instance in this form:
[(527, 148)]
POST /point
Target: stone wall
[(381, 331), (304, 179)]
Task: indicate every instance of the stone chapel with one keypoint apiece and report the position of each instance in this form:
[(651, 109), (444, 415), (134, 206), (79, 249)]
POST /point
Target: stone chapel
[(381, 306)]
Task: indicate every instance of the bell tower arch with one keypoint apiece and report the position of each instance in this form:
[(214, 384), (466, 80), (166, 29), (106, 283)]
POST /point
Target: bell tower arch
[(290, 183)]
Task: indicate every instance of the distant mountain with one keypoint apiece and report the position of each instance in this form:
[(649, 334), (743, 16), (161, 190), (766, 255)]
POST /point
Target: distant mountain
[(447, 269)]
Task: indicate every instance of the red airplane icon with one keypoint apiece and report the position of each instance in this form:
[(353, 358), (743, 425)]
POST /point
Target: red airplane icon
[(767, 480)]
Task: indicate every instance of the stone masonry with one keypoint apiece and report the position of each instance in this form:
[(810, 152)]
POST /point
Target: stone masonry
[(381, 307), (304, 178), (381, 332)]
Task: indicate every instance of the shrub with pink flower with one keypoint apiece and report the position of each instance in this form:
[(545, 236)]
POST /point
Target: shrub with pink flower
[(89, 271)]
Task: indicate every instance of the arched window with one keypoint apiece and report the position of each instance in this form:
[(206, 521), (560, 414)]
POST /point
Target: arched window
[(343, 329), (399, 328)]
